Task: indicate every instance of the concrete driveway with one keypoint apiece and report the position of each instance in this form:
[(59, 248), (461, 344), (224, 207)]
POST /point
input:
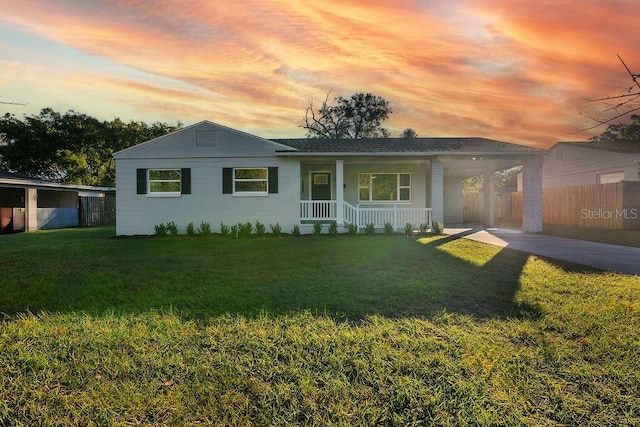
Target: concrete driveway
[(622, 259)]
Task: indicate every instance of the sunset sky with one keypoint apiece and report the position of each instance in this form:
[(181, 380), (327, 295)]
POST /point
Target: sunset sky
[(513, 70)]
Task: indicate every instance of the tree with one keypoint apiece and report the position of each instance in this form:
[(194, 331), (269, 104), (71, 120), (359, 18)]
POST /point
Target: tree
[(409, 133), (359, 116), (621, 106), (72, 147), (621, 131)]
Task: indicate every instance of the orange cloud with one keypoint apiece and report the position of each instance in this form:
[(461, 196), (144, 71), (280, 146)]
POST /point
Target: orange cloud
[(494, 68)]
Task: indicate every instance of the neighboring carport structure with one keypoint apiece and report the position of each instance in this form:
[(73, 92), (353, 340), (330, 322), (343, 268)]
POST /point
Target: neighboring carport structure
[(28, 204)]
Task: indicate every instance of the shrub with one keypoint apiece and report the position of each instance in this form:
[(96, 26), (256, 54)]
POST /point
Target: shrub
[(437, 227), (172, 228), (190, 229), (260, 229), (353, 229), (234, 231), (160, 229), (317, 228), (333, 228), (205, 228), (275, 229), (244, 230), (424, 227), (388, 228), (408, 229), (369, 228), (296, 230), (224, 230)]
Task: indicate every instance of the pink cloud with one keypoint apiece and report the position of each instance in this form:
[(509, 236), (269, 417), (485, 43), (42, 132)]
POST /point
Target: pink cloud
[(500, 69)]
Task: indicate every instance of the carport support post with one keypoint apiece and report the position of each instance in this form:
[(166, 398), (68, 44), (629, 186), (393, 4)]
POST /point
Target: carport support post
[(532, 195), (339, 192), (489, 195), (437, 191), (31, 209)]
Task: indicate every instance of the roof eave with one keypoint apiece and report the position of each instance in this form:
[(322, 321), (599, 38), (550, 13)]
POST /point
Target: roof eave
[(408, 154)]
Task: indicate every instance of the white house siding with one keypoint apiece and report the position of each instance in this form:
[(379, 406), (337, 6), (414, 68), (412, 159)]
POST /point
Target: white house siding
[(569, 166), (138, 213)]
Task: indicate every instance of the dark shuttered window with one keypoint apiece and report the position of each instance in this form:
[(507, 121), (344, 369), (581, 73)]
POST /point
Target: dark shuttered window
[(186, 180), (273, 180), (141, 175)]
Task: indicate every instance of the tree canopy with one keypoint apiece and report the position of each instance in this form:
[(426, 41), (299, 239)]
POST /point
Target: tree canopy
[(621, 131), (359, 116), (73, 148), (409, 133)]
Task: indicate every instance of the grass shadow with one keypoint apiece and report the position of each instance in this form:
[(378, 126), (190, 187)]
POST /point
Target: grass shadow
[(347, 278)]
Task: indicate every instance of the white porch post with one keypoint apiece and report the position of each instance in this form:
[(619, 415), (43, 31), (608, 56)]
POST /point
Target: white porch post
[(437, 191), (31, 209), (340, 192), (532, 195), (489, 194)]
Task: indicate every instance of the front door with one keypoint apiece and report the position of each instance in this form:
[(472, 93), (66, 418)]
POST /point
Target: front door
[(320, 186), (321, 190)]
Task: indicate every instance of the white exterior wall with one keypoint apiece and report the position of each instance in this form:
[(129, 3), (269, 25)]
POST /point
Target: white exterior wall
[(532, 195), (453, 200), (138, 213), (569, 166)]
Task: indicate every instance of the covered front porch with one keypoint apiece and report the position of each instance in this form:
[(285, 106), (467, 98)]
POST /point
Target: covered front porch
[(364, 191)]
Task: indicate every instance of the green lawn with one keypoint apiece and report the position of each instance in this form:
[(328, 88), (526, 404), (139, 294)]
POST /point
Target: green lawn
[(328, 330)]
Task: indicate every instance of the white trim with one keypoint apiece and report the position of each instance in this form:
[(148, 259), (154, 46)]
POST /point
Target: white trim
[(163, 193), (250, 193), (398, 188)]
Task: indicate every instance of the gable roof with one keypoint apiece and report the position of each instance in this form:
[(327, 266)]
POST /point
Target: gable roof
[(618, 146), (183, 142), (404, 146)]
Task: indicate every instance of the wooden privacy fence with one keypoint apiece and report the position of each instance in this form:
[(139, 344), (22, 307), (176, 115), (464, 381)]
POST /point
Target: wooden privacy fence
[(94, 211), (613, 206)]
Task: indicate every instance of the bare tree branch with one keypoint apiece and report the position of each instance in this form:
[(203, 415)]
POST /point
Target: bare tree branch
[(621, 106)]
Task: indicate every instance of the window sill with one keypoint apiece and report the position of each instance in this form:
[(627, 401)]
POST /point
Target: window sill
[(250, 194), (155, 195)]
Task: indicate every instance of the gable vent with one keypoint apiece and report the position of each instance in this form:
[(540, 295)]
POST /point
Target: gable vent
[(206, 138)]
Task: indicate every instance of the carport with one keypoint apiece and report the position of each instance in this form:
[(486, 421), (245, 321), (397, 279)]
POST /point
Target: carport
[(28, 204)]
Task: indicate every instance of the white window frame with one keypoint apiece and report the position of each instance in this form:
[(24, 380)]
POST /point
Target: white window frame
[(398, 187), (251, 193), (617, 175), (151, 193)]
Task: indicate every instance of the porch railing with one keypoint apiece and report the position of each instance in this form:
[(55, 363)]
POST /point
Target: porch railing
[(325, 210), (318, 210)]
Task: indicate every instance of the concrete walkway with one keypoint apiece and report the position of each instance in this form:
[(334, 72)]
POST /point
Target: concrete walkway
[(622, 259)]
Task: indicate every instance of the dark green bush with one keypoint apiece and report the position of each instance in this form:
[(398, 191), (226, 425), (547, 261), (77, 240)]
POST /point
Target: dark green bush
[(190, 229), (388, 228), (317, 228), (408, 229), (260, 229), (205, 228), (275, 229), (172, 228), (160, 229), (333, 228), (437, 227)]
